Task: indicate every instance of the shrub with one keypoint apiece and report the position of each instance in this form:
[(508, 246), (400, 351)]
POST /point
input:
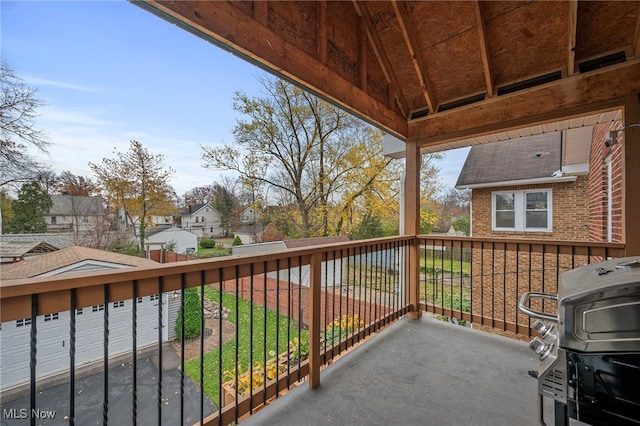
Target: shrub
[(192, 315), (237, 241), (207, 243)]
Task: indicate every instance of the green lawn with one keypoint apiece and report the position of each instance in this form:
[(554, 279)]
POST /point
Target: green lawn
[(241, 315)]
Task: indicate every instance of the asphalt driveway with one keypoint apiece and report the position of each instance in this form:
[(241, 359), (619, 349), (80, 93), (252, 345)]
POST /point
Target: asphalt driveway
[(89, 398)]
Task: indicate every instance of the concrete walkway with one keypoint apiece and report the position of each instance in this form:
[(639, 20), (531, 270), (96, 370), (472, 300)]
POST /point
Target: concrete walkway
[(89, 397), (423, 372)]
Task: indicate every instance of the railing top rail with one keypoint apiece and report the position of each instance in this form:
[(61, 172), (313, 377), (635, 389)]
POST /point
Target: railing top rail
[(37, 285), (562, 243)]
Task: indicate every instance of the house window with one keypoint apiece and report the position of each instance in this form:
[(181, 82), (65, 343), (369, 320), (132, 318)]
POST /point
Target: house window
[(522, 211), (154, 297), (118, 304), (211, 230), (202, 218), (197, 219), (96, 308), (79, 311), (51, 317), (54, 220), (139, 299), (23, 322)]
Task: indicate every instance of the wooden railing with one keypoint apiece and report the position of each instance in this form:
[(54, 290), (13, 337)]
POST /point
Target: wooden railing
[(479, 281), (329, 296)]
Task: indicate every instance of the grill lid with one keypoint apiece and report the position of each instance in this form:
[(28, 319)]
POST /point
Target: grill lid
[(599, 306)]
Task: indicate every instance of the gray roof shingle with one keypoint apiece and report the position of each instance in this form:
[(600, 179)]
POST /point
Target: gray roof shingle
[(523, 158)]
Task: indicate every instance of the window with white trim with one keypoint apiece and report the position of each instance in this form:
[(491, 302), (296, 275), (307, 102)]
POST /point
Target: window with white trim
[(118, 304), (522, 210), (96, 308), (154, 297)]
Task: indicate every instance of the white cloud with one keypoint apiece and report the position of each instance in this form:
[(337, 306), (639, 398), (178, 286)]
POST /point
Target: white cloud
[(37, 81)]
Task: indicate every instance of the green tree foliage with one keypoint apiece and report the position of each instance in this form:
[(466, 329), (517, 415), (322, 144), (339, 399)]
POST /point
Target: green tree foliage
[(236, 241), (369, 227), (28, 210), (207, 243), (18, 105), (226, 202), (462, 224), (137, 182), (124, 244), (192, 314), (310, 154), (6, 209)]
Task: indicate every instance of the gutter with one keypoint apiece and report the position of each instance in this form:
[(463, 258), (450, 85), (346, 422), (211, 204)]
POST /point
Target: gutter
[(531, 181)]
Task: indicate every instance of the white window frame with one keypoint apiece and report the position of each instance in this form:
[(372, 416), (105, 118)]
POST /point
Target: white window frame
[(520, 206)]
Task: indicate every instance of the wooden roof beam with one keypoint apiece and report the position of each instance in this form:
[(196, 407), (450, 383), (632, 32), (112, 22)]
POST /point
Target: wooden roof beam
[(636, 38), (571, 37), (381, 55), (415, 53), (573, 96), (484, 51), (225, 25)]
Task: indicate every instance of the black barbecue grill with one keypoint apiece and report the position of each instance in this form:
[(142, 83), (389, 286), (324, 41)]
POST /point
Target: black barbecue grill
[(590, 352)]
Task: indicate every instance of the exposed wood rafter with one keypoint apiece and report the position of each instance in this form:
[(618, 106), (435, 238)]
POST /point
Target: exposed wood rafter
[(322, 33), (261, 12), (383, 59), (484, 51), (571, 37), (415, 52), (362, 50), (636, 38), (224, 24)]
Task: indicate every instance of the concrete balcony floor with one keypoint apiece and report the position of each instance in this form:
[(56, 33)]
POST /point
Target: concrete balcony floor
[(418, 372)]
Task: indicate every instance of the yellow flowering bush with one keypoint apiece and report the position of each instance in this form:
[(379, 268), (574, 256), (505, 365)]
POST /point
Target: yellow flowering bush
[(275, 366), (342, 327)]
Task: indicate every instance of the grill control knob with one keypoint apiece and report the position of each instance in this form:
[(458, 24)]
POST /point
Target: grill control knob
[(541, 348), (547, 331)]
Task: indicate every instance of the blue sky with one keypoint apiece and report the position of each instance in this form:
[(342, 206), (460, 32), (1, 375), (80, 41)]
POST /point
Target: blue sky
[(110, 72)]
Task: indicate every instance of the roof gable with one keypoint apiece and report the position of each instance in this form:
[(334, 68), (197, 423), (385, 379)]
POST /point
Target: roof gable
[(196, 209), (63, 260), (520, 159)]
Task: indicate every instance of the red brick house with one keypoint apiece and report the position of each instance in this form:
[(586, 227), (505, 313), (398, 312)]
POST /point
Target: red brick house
[(560, 186)]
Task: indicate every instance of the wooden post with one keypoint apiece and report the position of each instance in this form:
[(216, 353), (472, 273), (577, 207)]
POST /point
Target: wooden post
[(412, 225), (631, 175), (315, 275)]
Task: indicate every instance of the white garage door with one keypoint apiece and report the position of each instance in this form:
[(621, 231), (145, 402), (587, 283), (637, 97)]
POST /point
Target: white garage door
[(53, 338)]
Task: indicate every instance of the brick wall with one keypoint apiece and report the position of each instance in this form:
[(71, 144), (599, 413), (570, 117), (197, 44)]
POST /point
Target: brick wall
[(570, 211), (598, 183), (287, 299)]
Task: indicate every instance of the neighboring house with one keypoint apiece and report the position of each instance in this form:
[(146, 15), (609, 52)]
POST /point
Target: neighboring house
[(53, 329), (563, 186), (203, 220), (76, 214), (298, 275), (59, 241), (128, 222), (250, 216), (16, 251), (249, 234), (182, 240), (542, 186)]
